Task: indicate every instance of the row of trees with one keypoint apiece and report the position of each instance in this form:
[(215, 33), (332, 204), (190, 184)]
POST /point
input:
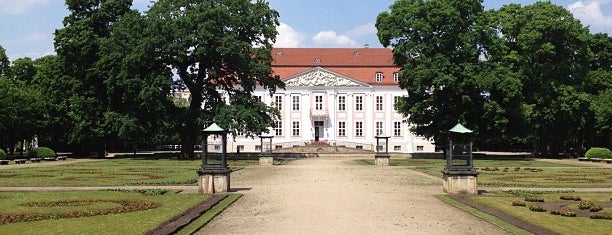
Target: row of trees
[(523, 77), (110, 83)]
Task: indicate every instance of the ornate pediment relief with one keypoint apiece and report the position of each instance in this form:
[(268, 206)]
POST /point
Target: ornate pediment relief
[(321, 77)]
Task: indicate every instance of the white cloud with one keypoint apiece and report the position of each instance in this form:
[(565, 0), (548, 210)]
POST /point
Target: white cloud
[(590, 13), (37, 37), (13, 7), (288, 37), (332, 39), (361, 30)]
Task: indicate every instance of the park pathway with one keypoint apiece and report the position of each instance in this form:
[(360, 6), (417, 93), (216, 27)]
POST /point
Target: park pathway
[(339, 196)]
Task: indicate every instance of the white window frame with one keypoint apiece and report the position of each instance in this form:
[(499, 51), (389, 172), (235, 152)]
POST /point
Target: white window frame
[(359, 129), (397, 129), (318, 102), (379, 128), (296, 129), (278, 102), (359, 103), (379, 103), (396, 77), (295, 106), (342, 103), (278, 128), (342, 129), (379, 77)]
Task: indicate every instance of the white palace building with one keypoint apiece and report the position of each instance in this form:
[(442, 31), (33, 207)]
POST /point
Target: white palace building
[(336, 97)]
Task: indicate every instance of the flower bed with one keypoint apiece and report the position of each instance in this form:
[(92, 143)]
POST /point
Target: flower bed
[(563, 212), (125, 207), (570, 197)]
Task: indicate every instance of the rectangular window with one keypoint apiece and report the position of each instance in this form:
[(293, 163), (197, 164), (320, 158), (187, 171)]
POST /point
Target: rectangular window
[(397, 148), (341, 103), (396, 77), (342, 129), (319, 102), (240, 148), (379, 128), (397, 129), (359, 103), (358, 129), (296, 103), (278, 128), (257, 147), (396, 100), (258, 97), (379, 77), (379, 103), (278, 146), (296, 129), (278, 102), (420, 148)]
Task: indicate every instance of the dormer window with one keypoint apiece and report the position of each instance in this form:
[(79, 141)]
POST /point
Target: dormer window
[(317, 60), (396, 77), (379, 77)]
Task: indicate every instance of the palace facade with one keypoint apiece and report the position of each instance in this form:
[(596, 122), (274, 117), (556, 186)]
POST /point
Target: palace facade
[(338, 97)]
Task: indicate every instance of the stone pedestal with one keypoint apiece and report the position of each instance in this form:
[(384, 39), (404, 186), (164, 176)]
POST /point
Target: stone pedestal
[(381, 159), (463, 182), (266, 161), (214, 180)]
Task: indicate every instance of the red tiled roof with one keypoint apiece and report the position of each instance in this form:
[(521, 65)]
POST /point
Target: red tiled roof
[(358, 63)]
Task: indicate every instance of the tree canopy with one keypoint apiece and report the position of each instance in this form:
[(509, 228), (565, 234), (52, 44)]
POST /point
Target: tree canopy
[(515, 75)]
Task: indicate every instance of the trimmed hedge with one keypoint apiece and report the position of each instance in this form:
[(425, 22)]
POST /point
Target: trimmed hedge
[(2, 155), (41, 152), (602, 153)]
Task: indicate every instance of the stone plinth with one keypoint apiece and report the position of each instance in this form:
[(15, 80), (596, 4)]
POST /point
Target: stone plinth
[(381, 159), (462, 182), (266, 161), (214, 180)]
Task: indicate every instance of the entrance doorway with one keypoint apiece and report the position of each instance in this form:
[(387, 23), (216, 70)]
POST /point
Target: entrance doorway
[(319, 129)]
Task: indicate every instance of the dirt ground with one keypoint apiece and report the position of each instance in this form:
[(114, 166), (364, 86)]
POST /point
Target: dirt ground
[(339, 196)]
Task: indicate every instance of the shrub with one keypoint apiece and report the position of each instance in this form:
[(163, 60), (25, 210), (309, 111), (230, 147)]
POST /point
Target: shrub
[(595, 208), (2, 155), (563, 212), (534, 199), (570, 197), (601, 216), (598, 153), (537, 208), (41, 152), (518, 203), (585, 205)]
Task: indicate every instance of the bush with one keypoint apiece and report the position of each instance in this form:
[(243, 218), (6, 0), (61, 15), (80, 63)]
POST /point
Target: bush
[(534, 199), (595, 208), (598, 153), (601, 216), (518, 203), (563, 212), (585, 205), (537, 208), (41, 152), (570, 197), (2, 155)]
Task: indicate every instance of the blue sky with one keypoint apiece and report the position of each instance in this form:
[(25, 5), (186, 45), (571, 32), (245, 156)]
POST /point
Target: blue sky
[(27, 26)]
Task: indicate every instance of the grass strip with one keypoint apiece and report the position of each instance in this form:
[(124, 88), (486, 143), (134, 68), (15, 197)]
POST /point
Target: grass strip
[(195, 225), (489, 218)]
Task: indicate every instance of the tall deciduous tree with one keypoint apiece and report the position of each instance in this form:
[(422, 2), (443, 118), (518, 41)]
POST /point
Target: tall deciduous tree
[(214, 45), (438, 47), (78, 47), (547, 48)]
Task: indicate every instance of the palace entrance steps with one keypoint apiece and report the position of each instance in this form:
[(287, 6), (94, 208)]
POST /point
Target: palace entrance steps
[(325, 150), (340, 196)]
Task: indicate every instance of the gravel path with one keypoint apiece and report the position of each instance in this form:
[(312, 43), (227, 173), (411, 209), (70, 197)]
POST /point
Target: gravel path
[(338, 196)]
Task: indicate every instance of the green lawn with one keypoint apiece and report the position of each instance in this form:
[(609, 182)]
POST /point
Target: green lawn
[(560, 224), (519, 173), (170, 204), (114, 172)]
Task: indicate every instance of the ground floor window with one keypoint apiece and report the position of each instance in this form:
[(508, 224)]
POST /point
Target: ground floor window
[(342, 129), (257, 147), (278, 128), (397, 129), (420, 148), (379, 128), (296, 129), (359, 129), (397, 148)]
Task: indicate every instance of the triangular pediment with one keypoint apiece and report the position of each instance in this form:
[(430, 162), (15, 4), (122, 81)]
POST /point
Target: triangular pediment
[(322, 77)]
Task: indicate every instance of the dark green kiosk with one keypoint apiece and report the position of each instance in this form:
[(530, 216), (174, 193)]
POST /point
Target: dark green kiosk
[(214, 175), (459, 174)]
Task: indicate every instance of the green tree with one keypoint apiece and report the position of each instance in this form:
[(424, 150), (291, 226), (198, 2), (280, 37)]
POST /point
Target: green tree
[(4, 62), (546, 48), (600, 86), (217, 45), (438, 47), (78, 48)]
